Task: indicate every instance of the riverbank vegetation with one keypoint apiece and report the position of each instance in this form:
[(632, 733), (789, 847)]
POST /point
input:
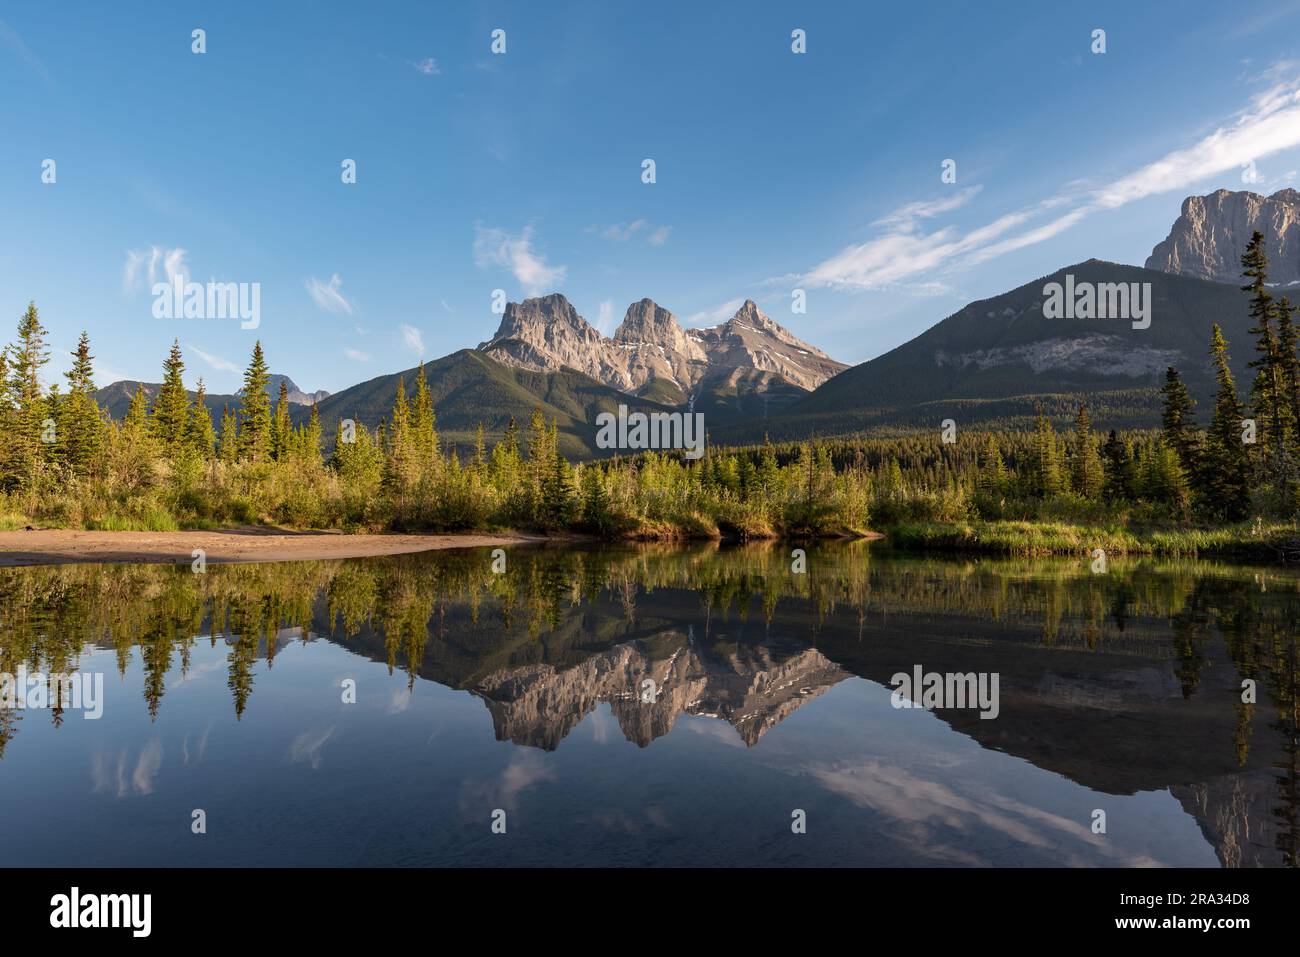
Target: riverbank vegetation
[(1231, 487)]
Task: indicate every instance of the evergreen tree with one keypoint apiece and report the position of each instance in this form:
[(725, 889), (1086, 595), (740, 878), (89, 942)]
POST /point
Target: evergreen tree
[(1225, 472), (1085, 464), (993, 472), (281, 430), (255, 415), (312, 437), (27, 420), (1118, 456), (81, 425), (170, 421), (1267, 392), (1045, 468), (1177, 419), (229, 450), (198, 432)]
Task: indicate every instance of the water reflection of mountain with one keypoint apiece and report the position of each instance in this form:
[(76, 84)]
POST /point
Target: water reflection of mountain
[(1125, 682)]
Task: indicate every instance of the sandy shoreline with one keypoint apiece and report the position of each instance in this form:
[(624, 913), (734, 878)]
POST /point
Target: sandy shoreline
[(67, 546)]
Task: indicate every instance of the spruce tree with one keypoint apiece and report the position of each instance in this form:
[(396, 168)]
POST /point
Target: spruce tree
[(170, 420), (198, 432), (1225, 472), (281, 430), (229, 439), (81, 425), (1177, 417), (993, 473), (26, 357), (1267, 390), (1118, 486), (255, 414), (1085, 464), (1046, 466)]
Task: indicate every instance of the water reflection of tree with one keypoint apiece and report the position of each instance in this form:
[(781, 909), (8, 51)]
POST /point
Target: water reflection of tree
[(479, 620)]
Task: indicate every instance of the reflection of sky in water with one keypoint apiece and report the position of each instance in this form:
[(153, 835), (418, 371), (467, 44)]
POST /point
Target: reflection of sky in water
[(413, 777)]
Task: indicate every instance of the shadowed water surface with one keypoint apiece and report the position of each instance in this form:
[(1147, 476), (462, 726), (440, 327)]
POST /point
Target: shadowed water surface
[(523, 692)]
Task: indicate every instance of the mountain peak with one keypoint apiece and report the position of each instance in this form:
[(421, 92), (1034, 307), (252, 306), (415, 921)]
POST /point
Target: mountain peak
[(1211, 233), (651, 351)]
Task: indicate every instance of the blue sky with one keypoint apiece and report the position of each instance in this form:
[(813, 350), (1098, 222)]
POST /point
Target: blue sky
[(522, 171)]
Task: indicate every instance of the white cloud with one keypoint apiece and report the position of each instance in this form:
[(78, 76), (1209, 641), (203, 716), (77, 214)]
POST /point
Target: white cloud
[(622, 232), (428, 66), (495, 247), (412, 339), (605, 317), (711, 317), (357, 355), (903, 251), (327, 296), (216, 362), (142, 266)]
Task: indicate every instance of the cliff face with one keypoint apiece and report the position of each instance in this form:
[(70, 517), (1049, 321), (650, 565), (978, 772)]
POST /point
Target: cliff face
[(1210, 235), (650, 347)]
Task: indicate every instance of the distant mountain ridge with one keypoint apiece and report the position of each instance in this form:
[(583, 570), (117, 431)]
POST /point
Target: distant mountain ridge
[(995, 360), (115, 398)]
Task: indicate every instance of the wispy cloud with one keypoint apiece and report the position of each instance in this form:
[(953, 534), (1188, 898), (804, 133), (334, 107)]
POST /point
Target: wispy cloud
[(412, 340), (142, 266), (622, 232), (605, 317), (327, 296), (659, 236), (428, 66), (10, 38), (711, 317), (356, 355), (216, 362), (496, 247), (903, 250)]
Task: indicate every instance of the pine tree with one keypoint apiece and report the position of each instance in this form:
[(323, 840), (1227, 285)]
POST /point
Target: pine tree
[(399, 470), (312, 437), (1177, 418), (170, 421), (993, 472), (424, 431), (30, 410), (1225, 472), (229, 439), (1046, 464), (81, 425), (198, 431), (255, 415), (1290, 368), (1267, 390), (281, 430), (1085, 464), (1118, 455)]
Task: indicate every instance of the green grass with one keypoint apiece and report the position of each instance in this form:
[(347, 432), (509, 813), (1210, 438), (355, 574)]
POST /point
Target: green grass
[(1252, 541)]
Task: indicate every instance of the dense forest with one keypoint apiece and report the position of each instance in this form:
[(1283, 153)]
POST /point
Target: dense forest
[(167, 465)]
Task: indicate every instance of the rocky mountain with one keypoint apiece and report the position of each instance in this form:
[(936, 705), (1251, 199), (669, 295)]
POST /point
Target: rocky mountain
[(295, 395), (651, 355), (115, 398), (1210, 235), (995, 360)]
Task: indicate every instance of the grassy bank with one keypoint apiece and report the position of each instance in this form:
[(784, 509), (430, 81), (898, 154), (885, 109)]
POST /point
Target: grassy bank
[(1258, 541)]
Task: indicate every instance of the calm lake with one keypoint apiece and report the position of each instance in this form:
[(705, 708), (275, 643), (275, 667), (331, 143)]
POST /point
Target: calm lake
[(652, 706)]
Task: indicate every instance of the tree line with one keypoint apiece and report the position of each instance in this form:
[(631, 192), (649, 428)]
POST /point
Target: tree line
[(165, 464)]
